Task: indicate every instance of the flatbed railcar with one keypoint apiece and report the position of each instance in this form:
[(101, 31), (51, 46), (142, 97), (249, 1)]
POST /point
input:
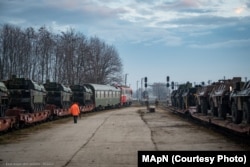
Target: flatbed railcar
[(237, 98), (58, 98), (26, 103)]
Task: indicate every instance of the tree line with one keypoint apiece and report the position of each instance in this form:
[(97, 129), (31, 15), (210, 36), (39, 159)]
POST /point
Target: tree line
[(69, 57)]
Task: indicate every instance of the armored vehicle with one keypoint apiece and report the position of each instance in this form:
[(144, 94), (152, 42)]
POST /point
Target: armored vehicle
[(173, 99), (188, 96), (26, 94), (220, 96), (178, 96), (82, 94), (58, 95), (240, 103), (202, 98)]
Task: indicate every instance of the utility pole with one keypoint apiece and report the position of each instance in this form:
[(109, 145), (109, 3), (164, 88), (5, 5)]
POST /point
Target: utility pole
[(126, 79)]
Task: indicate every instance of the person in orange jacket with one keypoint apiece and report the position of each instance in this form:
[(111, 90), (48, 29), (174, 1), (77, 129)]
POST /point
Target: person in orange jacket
[(75, 111)]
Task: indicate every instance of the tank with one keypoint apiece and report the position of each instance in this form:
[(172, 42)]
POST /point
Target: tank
[(3, 99), (82, 94), (240, 102), (58, 95), (26, 94), (220, 97)]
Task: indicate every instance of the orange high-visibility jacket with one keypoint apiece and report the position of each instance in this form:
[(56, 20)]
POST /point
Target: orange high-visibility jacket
[(74, 110)]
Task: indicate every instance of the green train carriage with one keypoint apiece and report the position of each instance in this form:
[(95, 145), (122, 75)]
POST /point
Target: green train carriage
[(105, 96)]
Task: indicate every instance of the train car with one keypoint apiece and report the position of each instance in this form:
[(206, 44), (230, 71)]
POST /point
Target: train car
[(26, 103), (3, 99), (126, 95), (26, 94), (84, 96), (58, 99), (105, 96)]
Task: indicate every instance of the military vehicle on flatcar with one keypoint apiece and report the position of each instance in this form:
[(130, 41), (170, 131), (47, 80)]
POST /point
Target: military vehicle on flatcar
[(202, 98), (188, 96), (82, 94), (220, 96), (240, 102), (26, 94), (178, 96), (173, 99), (105, 96), (3, 99), (58, 95)]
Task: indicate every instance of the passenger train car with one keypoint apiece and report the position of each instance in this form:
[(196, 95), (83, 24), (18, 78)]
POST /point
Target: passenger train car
[(29, 102), (105, 96)]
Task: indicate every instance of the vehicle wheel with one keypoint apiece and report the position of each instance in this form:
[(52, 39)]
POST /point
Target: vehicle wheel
[(204, 107), (214, 110), (246, 112), (198, 107), (183, 106), (221, 111), (236, 114)]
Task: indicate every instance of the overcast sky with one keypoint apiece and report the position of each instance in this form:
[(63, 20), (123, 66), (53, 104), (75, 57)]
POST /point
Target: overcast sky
[(188, 40)]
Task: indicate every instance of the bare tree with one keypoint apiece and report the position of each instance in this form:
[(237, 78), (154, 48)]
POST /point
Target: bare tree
[(68, 58), (44, 50), (103, 63)]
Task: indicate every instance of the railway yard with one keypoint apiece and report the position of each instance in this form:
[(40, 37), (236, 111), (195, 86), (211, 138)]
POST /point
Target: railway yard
[(111, 138)]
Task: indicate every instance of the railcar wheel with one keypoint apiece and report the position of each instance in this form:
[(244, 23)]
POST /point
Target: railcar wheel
[(214, 110), (246, 112), (221, 111), (204, 106), (236, 114), (183, 105), (198, 108)]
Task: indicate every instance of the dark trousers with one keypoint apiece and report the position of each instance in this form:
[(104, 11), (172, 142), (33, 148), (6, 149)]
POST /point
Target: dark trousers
[(75, 119)]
